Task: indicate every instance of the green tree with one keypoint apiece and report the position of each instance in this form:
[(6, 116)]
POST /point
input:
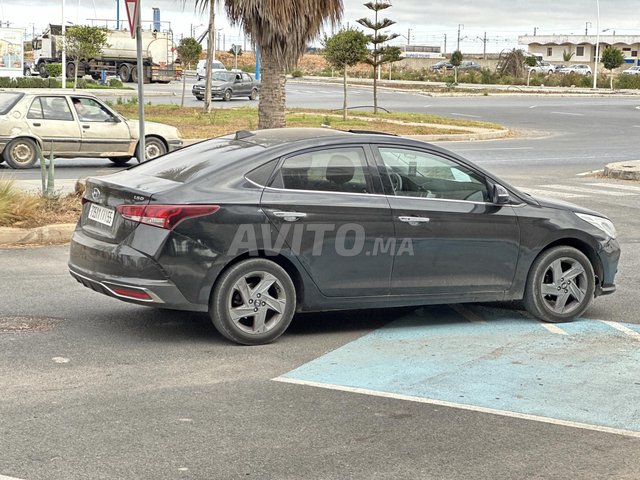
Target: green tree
[(83, 42), (343, 50), (612, 58), (281, 30), (380, 54), (530, 61), (189, 51), (567, 56), (456, 60)]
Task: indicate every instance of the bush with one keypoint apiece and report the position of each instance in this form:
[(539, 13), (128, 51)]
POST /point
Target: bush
[(115, 83), (53, 69), (297, 73), (14, 204), (628, 81)]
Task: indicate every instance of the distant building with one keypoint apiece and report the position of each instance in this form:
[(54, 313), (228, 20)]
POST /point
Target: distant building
[(421, 51), (552, 47)]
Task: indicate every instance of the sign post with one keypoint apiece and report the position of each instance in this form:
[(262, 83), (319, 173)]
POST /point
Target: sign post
[(135, 26)]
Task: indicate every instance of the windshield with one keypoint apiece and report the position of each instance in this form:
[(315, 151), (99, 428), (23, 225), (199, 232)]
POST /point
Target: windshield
[(8, 101), (223, 76)]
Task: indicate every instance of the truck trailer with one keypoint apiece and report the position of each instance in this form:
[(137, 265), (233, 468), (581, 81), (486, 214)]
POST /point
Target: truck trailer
[(118, 57)]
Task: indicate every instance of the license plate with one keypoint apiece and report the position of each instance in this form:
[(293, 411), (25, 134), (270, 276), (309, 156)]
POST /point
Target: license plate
[(101, 214)]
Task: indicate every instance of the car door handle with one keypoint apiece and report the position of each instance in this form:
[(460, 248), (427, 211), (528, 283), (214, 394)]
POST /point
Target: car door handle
[(414, 221), (86, 127), (290, 216), (37, 124)]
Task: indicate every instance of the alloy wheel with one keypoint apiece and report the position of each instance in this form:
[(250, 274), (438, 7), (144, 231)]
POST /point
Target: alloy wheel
[(257, 302), (564, 286)]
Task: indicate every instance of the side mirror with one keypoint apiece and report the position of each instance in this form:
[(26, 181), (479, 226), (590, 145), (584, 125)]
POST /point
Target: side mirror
[(500, 195)]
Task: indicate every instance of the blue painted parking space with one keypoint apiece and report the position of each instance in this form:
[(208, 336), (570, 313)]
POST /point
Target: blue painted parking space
[(585, 373)]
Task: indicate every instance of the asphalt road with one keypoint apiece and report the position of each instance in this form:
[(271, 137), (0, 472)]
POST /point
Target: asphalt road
[(92, 388)]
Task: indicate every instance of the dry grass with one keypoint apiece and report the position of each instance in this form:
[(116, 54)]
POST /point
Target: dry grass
[(22, 210), (193, 123)]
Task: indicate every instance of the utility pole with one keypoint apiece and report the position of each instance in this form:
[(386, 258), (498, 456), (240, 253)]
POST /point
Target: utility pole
[(445, 44), (64, 50), (586, 28), (211, 55), (484, 50), (409, 37), (535, 30), (459, 25)]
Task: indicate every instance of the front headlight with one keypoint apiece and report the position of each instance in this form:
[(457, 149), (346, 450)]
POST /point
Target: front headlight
[(600, 223)]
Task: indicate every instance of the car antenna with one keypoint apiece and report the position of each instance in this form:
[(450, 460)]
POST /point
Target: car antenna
[(242, 134)]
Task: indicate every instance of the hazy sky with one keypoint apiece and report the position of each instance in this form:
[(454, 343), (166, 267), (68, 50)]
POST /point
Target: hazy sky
[(429, 21)]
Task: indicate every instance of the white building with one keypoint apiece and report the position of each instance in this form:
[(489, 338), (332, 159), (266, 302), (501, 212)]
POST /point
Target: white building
[(552, 47)]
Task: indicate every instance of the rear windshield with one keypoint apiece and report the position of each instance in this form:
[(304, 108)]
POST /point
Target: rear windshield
[(193, 162), (8, 101)]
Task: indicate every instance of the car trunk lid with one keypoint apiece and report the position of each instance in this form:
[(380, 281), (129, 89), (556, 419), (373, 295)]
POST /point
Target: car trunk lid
[(103, 195)]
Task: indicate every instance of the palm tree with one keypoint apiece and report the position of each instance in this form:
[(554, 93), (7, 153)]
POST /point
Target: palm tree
[(281, 29)]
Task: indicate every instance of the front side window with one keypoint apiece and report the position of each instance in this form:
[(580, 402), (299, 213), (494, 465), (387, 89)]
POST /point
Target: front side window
[(414, 173), (579, 51), (89, 110), (334, 170)]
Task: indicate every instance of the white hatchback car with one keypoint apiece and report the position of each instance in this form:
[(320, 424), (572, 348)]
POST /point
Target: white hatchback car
[(73, 124), (632, 71), (201, 69)]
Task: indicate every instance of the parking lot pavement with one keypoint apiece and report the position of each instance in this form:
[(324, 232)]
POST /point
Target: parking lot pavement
[(582, 374)]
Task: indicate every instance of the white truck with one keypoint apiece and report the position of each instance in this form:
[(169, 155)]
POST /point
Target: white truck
[(119, 57)]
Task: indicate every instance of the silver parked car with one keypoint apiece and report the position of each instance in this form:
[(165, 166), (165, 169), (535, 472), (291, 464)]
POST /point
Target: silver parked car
[(543, 67), (632, 71), (73, 125), (580, 69)]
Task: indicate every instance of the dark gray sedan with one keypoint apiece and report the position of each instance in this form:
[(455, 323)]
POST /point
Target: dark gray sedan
[(227, 85), (256, 226)]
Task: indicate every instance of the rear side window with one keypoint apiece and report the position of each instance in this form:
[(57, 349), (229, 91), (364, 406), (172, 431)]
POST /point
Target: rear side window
[(330, 170), (196, 161), (50, 108), (8, 100)]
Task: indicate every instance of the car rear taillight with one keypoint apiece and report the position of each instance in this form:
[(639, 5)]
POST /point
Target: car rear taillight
[(164, 216)]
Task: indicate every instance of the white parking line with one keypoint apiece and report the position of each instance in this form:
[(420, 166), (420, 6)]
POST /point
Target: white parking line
[(543, 193), (592, 172), (592, 191), (629, 188), (553, 328), (4, 477), (461, 406), (569, 113), (623, 329), (466, 313)]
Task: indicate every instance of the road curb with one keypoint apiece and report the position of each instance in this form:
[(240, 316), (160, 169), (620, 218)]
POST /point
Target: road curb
[(49, 234), (623, 170)]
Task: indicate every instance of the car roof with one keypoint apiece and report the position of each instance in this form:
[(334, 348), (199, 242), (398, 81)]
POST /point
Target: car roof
[(49, 92)]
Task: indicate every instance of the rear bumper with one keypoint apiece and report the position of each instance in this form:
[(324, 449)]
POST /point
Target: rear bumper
[(161, 293), (124, 273)]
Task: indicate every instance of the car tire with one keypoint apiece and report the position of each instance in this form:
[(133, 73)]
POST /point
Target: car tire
[(120, 161), (199, 98), (21, 153), (239, 289), (154, 147), (254, 94), (227, 95), (42, 70), (560, 285)]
